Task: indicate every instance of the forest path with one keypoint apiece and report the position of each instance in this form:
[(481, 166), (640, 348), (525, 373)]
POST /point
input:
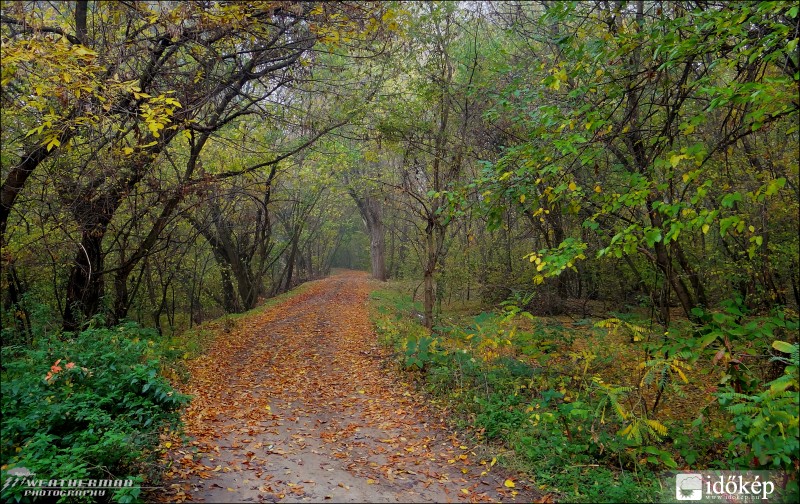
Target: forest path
[(295, 405)]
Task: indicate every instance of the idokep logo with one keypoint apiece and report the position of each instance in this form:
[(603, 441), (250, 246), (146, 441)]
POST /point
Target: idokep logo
[(720, 486), (689, 486)]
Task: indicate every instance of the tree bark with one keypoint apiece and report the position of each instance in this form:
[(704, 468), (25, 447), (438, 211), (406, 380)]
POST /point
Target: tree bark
[(372, 213), (290, 263), (664, 263), (85, 285), (430, 268), (80, 21)]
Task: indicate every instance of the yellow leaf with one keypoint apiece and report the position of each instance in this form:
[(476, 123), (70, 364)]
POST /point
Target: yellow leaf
[(522, 198), (680, 373), (572, 186), (494, 461), (676, 159), (657, 426), (370, 481), (465, 491), (509, 484), (706, 227), (597, 189), (168, 444), (127, 150), (268, 408)]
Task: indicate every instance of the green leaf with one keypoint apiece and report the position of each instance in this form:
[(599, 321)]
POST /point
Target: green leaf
[(727, 222), (708, 339), (668, 460), (729, 199), (652, 236), (783, 346)]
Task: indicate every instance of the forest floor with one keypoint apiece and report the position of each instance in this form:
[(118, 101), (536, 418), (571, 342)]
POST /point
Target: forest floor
[(297, 403)]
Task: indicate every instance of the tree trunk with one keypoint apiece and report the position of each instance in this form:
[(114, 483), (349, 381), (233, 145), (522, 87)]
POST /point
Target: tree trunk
[(290, 263), (80, 21), (664, 263), (377, 251), (694, 278), (430, 267), (229, 299), (390, 267), (85, 285), (372, 214)]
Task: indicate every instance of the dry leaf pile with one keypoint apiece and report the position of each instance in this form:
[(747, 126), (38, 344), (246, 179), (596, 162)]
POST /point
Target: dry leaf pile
[(295, 404)]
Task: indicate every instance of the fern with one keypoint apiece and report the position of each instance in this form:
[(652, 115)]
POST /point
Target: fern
[(742, 409), (644, 428), (635, 331), (656, 427), (663, 368), (610, 396), (768, 421)]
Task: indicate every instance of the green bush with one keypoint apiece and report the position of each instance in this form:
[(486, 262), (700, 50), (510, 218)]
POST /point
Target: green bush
[(499, 414), (767, 435), (87, 407)]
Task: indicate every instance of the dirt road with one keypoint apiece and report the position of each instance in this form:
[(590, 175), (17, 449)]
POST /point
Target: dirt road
[(296, 404)]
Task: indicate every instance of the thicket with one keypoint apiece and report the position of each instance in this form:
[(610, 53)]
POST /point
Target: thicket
[(88, 405), (596, 410)]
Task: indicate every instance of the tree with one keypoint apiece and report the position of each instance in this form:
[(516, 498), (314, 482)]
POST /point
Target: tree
[(646, 101), (110, 120)]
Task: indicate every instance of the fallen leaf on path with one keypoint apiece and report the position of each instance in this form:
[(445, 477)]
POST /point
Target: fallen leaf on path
[(307, 355)]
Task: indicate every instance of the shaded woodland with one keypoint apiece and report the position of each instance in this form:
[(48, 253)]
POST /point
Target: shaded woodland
[(167, 163)]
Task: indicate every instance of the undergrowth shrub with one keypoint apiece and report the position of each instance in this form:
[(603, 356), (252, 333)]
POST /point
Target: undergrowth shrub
[(90, 406), (766, 434), (563, 405)]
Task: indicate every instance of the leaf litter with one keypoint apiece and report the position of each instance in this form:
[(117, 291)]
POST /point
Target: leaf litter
[(292, 405)]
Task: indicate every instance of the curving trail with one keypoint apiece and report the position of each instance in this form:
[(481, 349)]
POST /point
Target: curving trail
[(295, 405)]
